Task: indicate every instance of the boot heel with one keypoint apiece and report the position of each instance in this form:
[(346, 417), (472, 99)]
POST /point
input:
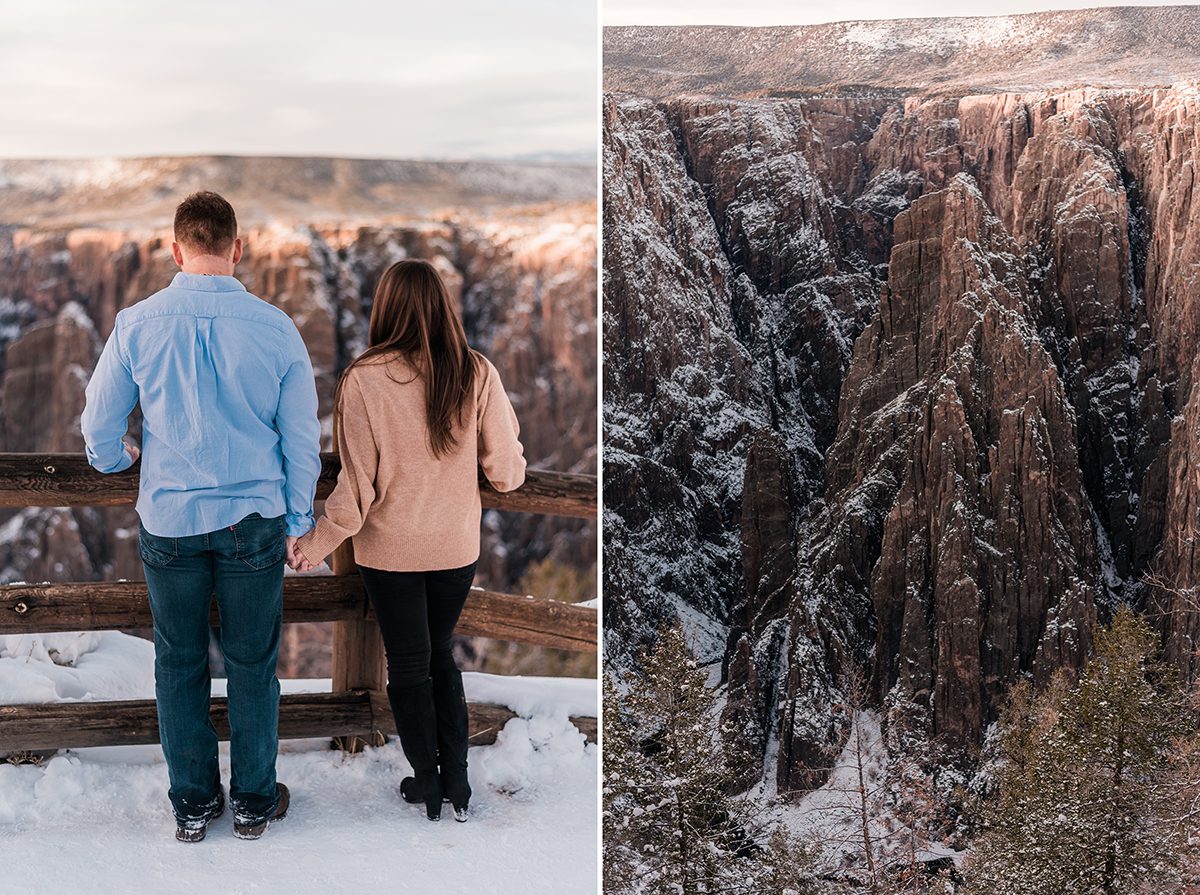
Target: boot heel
[(416, 724), (408, 791), (453, 732)]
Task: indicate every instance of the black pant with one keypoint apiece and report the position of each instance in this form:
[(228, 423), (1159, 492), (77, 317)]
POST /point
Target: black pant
[(417, 612)]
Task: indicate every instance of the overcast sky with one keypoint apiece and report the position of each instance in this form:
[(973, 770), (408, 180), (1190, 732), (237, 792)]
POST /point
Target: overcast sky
[(782, 12), (450, 79)]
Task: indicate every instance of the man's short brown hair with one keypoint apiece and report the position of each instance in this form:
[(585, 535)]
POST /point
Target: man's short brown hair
[(206, 223)]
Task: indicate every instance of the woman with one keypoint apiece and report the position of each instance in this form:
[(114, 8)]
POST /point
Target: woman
[(415, 417)]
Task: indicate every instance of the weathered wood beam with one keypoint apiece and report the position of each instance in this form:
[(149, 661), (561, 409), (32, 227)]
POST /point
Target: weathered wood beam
[(73, 725), (486, 720), (66, 725), (115, 605), (527, 619), (60, 480), (359, 662), (546, 492)]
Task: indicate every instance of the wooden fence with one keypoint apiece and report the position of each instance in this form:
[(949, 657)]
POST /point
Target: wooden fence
[(357, 710)]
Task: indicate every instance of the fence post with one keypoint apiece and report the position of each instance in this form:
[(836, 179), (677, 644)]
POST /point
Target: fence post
[(358, 658)]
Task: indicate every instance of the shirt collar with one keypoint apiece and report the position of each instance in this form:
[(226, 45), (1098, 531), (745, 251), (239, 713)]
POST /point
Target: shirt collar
[(198, 282)]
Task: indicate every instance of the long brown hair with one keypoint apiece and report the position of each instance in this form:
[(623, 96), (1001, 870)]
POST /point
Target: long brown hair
[(414, 317)]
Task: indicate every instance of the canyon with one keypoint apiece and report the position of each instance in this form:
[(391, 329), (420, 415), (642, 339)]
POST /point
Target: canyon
[(899, 378), (79, 242)]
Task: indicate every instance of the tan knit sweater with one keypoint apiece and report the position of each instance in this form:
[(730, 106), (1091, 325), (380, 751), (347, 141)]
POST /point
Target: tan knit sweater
[(407, 510)]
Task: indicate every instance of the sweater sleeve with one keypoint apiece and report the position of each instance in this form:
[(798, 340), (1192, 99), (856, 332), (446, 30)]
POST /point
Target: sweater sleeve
[(347, 506), (500, 452)]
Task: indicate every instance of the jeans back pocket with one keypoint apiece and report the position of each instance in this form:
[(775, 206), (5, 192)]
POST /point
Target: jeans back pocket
[(155, 550), (260, 543)]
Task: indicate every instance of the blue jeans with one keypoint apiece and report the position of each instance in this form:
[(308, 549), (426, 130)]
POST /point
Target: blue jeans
[(243, 566)]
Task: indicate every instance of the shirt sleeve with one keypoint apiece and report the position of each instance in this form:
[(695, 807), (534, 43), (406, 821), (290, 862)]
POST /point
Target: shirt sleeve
[(111, 396), (347, 506), (299, 436), (500, 452)]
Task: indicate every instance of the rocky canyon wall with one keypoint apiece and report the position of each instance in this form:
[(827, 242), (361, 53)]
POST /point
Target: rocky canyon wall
[(912, 393)]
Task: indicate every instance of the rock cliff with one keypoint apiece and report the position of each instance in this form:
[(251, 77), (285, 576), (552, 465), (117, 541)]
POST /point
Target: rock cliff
[(900, 383)]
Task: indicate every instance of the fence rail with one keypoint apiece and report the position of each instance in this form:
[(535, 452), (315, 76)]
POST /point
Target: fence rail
[(357, 711), (117, 605), (66, 480), (131, 722)]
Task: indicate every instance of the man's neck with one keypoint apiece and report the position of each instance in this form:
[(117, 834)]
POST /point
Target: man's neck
[(208, 265)]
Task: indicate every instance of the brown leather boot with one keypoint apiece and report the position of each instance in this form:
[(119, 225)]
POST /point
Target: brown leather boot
[(255, 831), (195, 831)]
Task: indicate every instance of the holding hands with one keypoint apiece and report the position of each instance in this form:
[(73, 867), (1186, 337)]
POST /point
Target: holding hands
[(296, 559)]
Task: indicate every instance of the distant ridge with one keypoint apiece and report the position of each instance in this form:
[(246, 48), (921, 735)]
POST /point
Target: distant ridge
[(144, 191), (1105, 47)]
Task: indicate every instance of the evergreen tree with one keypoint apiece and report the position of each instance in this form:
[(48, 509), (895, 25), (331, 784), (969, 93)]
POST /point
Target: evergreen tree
[(790, 867), (914, 807), (1080, 808), (623, 782), (1181, 799), (671, 821), (883, 774)]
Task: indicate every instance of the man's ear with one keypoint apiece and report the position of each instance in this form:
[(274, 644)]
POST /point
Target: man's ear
[(177, 253), (237, 250)]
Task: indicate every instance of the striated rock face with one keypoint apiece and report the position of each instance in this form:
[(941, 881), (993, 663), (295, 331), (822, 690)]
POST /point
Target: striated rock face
[(46, 372), (670, 351), (756, 630), (954, 498), (526, 283), (734, 290), (1174, 589), (951, 343)]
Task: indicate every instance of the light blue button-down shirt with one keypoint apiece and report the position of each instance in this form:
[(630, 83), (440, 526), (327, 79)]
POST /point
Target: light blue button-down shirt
[(229, 408)]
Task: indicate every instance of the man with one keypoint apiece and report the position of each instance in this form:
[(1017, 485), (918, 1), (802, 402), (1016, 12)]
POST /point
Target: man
[(231, 459)]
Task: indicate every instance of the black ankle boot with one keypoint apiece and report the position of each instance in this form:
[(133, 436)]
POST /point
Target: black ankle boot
[(453, 734), (416, 723)]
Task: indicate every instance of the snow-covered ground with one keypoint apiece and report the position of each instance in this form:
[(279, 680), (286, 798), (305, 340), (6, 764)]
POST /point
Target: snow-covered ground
[(98, 820), (832, 814)]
